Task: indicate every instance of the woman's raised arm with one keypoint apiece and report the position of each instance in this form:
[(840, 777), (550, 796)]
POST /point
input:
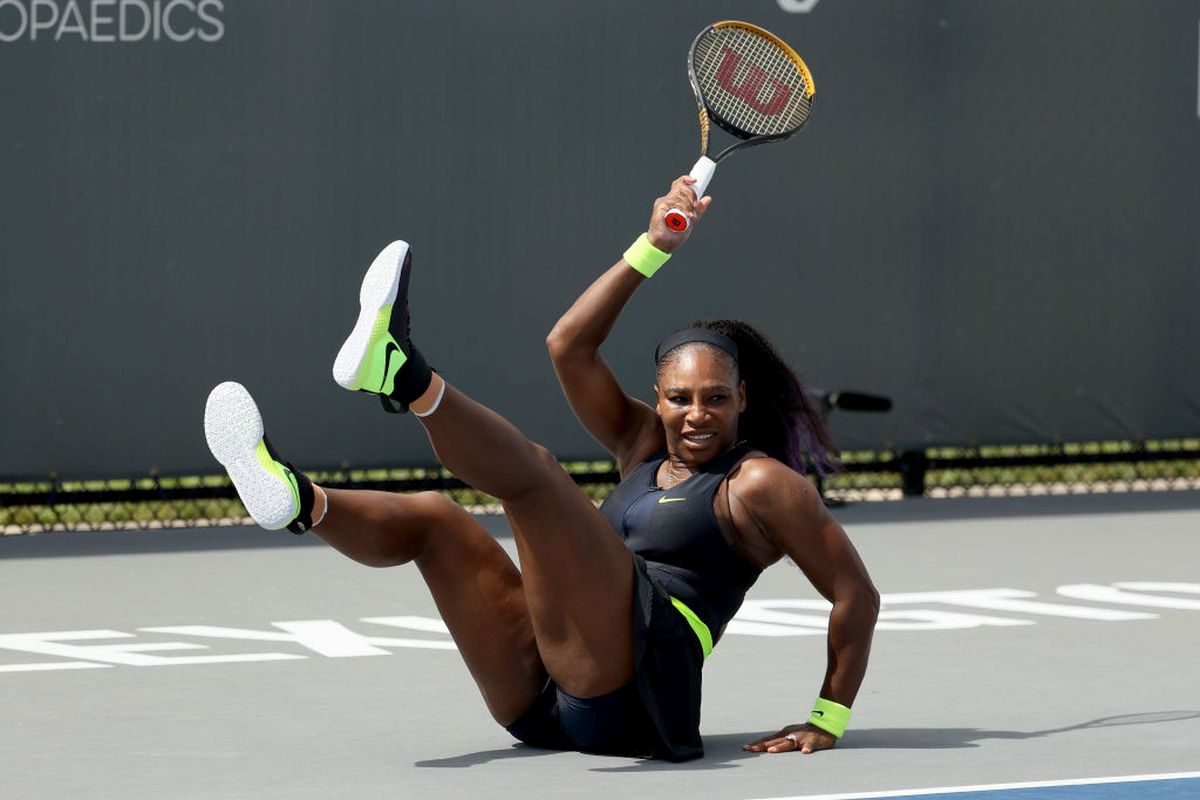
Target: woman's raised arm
[(627, 428)]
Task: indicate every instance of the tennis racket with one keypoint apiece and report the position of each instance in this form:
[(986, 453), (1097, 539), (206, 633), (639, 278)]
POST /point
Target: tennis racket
[(750, 83)]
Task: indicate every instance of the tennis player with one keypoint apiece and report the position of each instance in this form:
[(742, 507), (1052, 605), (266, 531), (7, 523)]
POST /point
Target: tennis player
[(597, 643)]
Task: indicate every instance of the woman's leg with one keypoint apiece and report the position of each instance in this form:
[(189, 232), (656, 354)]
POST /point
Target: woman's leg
[(474, 583), (577, 574)]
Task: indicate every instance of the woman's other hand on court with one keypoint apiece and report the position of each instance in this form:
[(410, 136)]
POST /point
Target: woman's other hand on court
[(679, 196), (794, 739)]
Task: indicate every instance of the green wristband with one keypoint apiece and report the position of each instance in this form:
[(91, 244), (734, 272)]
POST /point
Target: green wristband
[(830, 717), (645, 257)]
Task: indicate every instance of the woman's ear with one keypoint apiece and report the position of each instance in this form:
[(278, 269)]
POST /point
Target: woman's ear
[(654, 389)]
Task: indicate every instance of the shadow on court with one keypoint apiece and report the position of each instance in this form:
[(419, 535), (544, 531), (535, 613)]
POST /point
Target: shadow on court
[(953, 738), (484, 757), (723, 751), (720, 752)]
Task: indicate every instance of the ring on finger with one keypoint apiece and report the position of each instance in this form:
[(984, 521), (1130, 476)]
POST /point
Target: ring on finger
[(791, 737)]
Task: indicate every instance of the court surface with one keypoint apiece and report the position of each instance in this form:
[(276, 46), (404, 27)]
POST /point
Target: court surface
[(1036, 648)]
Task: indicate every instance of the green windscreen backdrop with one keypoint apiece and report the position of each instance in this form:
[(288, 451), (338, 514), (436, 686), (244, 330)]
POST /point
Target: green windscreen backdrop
[(993, 217)]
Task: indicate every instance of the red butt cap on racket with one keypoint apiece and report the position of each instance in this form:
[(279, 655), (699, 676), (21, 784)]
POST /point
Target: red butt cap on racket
[(675, 218)]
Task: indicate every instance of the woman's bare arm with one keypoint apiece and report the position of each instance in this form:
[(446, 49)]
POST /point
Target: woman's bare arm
[(627, 428)]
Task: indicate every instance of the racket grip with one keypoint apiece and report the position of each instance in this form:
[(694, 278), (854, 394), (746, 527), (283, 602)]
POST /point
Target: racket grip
[(702, 171)]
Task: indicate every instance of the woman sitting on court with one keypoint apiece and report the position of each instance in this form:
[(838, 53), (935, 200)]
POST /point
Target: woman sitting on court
[(597, 643)]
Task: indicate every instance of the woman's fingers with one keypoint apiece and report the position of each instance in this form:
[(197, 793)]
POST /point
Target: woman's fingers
[(793, 739)]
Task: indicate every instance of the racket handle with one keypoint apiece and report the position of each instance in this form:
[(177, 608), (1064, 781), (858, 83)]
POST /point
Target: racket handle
[(702, 171)]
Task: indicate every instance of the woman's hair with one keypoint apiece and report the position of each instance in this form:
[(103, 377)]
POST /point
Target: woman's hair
[(780, 418)]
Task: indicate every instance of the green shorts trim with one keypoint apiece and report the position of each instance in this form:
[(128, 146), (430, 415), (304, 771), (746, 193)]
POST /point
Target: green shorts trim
[(698, 627)]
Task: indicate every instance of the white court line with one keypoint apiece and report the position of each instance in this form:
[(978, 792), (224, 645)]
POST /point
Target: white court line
[(992, 787)]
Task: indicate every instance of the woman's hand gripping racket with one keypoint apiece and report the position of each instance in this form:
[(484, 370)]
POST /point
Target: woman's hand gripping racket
[(751, 84)]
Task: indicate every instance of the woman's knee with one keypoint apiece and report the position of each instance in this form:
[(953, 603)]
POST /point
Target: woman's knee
[(547, 460), (541, 470), (432, 511), (402, 537)]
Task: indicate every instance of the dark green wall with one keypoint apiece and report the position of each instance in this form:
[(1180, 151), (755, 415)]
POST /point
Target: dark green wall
[(992, 217)]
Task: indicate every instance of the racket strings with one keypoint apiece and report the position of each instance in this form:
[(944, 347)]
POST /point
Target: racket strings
[(733, 68)]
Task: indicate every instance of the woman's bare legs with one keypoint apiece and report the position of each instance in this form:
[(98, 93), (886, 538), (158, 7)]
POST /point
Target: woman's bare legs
[(476, 586), (577, 574)]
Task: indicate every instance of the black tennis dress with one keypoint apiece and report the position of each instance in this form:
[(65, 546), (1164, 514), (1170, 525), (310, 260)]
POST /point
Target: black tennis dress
[(688, 585)]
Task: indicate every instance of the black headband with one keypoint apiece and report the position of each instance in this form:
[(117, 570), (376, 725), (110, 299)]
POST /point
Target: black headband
[(689, 335)]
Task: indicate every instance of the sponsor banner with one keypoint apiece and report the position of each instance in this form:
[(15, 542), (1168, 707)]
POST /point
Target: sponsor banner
[(112, 21)]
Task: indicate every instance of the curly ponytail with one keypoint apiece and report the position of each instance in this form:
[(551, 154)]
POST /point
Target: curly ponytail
[(780, 418)]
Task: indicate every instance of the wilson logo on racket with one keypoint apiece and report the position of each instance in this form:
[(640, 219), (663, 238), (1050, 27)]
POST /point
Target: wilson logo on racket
[(752, 86)]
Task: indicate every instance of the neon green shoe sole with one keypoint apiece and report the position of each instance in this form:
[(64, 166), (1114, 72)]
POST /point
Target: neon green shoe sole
[(370, 357)]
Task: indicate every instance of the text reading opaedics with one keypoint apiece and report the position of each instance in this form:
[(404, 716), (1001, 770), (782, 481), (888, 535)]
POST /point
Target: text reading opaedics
[(103, 21)]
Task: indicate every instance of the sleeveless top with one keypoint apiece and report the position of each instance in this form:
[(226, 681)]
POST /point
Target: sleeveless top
[(676, 531)]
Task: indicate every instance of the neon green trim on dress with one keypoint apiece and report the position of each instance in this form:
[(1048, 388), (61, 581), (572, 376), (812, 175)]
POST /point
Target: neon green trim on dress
[(698, 627)]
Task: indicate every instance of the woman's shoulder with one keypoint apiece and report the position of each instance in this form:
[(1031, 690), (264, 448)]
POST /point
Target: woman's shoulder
[(755, 466), (772, 499), (760, 479)]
